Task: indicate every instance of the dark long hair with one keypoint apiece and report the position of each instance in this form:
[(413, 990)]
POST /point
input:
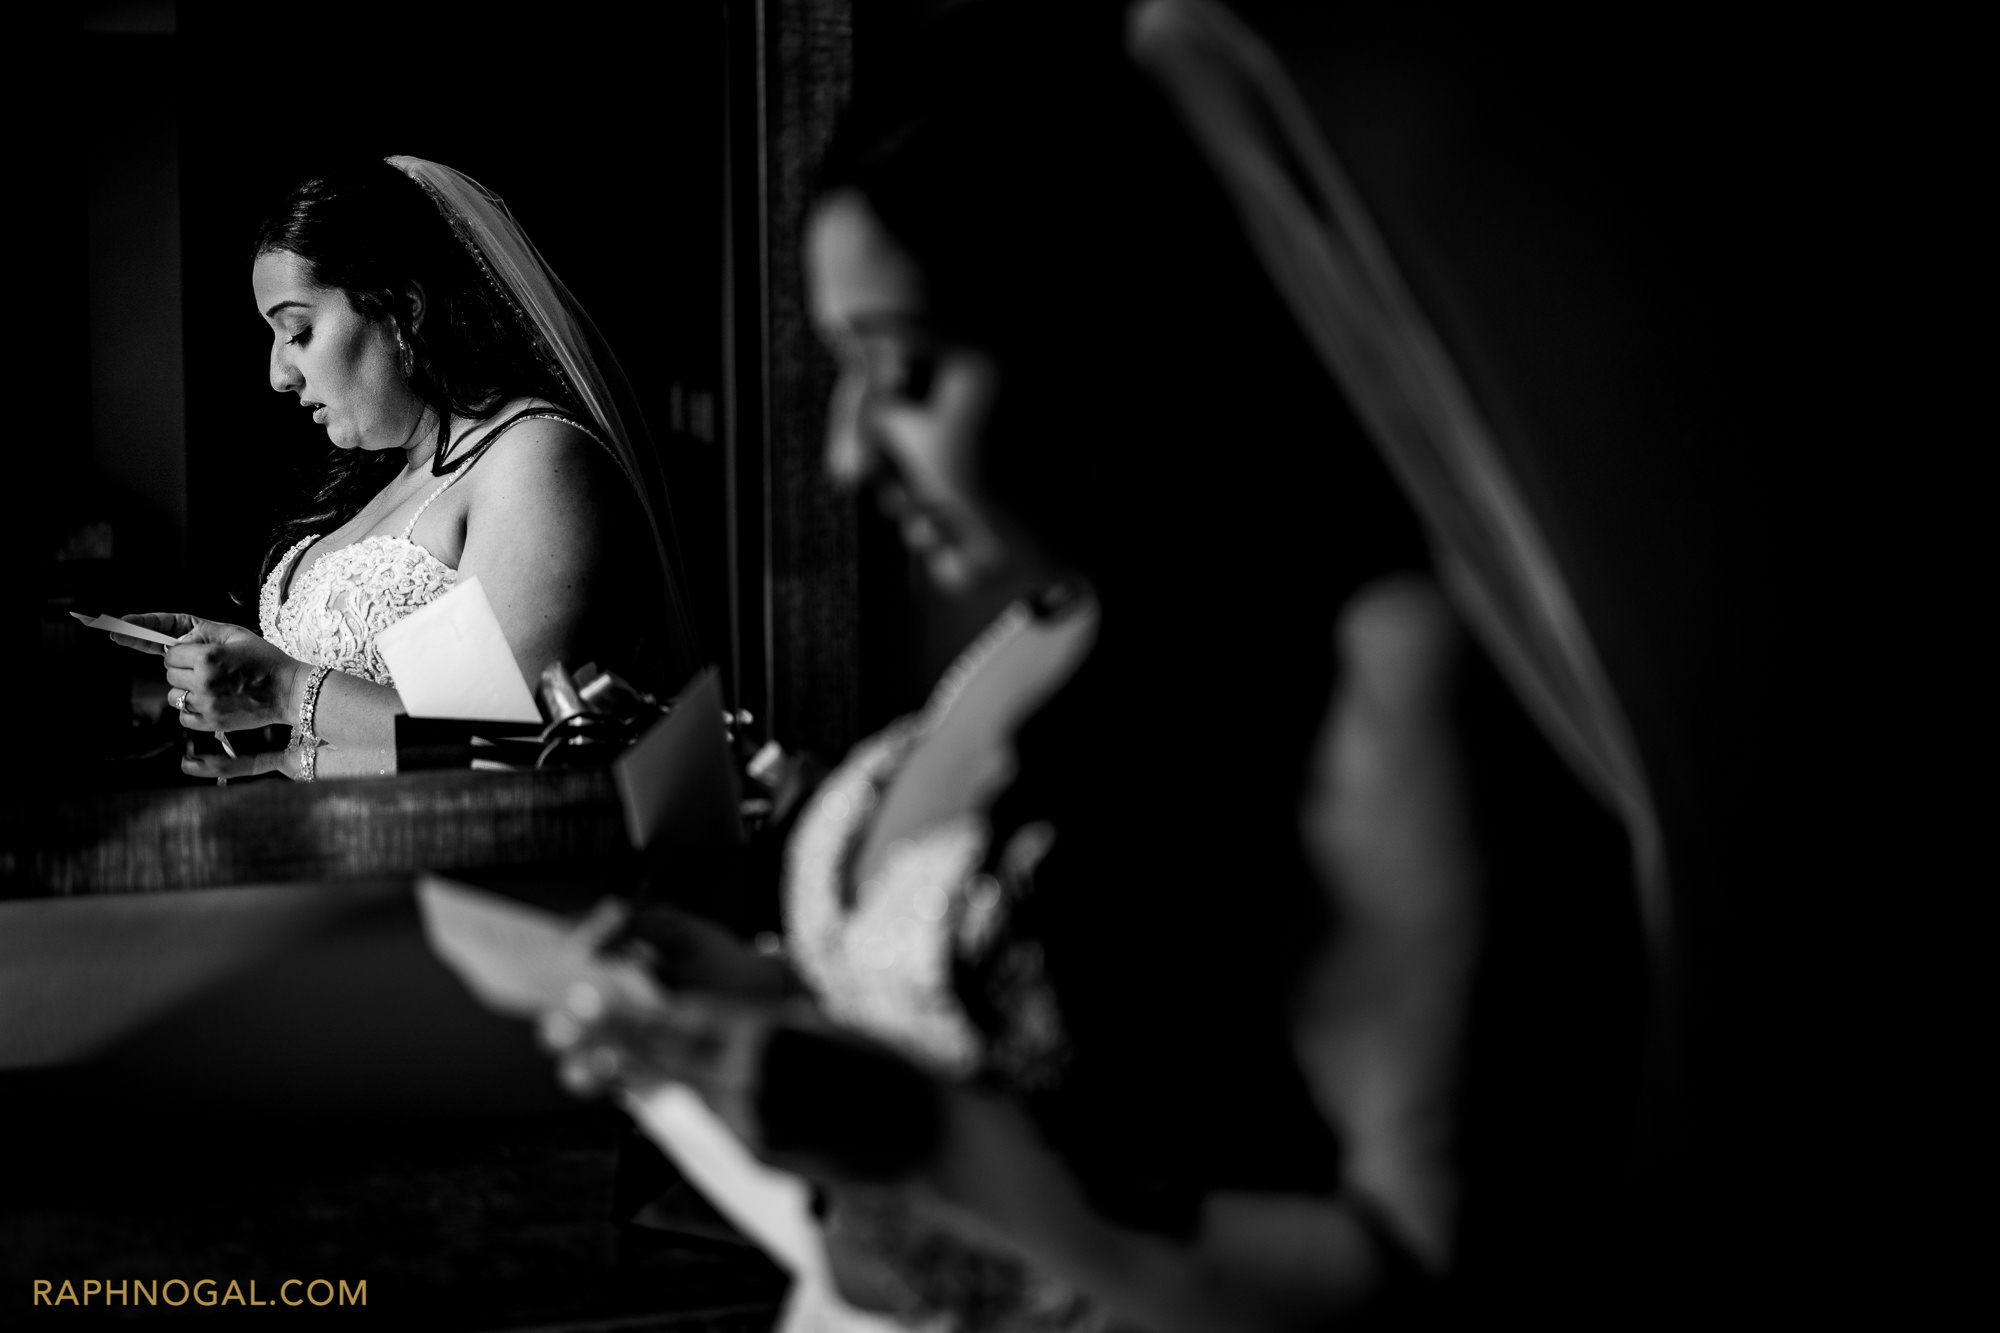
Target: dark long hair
[(371, 231), (1165, 431)]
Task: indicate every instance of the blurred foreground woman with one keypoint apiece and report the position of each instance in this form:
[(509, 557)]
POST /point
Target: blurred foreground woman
[(1128, 983)]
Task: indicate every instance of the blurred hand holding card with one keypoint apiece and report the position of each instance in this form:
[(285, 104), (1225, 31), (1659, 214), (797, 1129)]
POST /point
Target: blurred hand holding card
[(677, 783), (521, 960)]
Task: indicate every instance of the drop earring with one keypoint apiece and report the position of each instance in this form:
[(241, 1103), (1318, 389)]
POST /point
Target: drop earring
[(404, 358)]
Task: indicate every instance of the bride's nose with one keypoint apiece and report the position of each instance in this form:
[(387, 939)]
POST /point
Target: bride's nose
[(285, 377)]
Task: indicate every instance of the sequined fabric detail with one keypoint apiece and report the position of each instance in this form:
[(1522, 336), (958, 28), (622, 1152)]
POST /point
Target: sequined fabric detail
[(883, 965), (346, 598)]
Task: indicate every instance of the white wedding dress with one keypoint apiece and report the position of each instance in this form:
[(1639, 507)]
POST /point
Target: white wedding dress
[(336, 607)]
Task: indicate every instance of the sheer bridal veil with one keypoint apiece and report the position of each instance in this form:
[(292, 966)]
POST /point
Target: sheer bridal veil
[(558, 326), (1317, 241)]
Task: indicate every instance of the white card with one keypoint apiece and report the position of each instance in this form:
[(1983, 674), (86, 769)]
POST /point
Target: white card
[(114, 625), (521, 960), (773, 1208), (450, 659)]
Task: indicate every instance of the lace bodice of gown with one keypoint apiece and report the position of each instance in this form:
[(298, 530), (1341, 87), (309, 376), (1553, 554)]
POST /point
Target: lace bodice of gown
[(882, 964), (347, 598), (879, 960), (340, 603), (337, 606)]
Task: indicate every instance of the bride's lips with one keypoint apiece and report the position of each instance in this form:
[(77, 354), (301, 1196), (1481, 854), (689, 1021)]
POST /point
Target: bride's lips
[(319, 412)]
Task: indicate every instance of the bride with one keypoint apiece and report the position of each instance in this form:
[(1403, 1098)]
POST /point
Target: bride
[(480, 428), (1169, 970)]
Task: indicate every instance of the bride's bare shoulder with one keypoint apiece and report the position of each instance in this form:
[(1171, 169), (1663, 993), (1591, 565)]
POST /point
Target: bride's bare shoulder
[(543, 470), (552, 446)]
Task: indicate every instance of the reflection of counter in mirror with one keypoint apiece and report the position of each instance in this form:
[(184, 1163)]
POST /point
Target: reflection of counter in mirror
[(269, 831)]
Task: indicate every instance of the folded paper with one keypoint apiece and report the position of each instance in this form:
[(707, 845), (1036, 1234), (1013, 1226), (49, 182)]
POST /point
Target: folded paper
[(772, 1207), (518, 959), (450, 659), (113, 625)]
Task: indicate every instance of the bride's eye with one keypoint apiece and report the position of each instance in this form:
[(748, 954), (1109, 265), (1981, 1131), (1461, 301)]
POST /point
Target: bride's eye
[(301, 337)]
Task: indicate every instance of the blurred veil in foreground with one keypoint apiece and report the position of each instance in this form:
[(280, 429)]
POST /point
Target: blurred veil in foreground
[(1308, 225)]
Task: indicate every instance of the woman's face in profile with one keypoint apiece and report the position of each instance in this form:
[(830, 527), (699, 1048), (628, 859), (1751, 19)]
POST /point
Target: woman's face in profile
[(343, 366), (911, 412)]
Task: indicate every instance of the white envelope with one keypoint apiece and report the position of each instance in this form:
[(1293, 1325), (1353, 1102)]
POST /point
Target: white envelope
[(450, 659)]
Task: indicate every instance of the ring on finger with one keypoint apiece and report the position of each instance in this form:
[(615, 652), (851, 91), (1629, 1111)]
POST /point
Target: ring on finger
[(182, 706)]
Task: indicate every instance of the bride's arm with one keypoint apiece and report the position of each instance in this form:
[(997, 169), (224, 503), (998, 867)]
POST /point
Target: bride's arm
[(223, 677), (1387, 821), (355, 721), (536, 537)]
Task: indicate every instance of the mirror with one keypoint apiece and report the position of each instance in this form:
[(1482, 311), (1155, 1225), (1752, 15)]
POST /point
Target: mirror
[(605, 136)]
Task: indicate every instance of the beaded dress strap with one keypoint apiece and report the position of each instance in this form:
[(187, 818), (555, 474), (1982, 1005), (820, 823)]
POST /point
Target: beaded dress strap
[(443, 486), (465, 466)]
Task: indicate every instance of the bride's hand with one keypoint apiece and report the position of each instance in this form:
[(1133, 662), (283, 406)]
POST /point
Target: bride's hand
[(256, 764), (709, 1043), (221, 677), (169, 623), (802, 1095), (688, 952)]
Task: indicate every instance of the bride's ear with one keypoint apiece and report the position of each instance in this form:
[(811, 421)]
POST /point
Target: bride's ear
[(418, 306)]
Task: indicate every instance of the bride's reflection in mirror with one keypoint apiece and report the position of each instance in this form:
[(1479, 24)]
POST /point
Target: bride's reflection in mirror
[(197, 482), (480, 431)]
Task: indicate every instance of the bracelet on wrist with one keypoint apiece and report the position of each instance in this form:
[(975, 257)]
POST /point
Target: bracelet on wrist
[(303, 738)]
